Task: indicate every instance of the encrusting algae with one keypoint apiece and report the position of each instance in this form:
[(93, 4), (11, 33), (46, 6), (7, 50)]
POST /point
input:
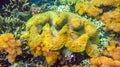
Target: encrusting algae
[(11, 46)]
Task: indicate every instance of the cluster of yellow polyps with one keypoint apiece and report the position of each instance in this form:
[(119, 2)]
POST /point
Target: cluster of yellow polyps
[(10, 45), (110, 56), (54, 30), (113, 50), (91, 10), (104, 61), (112, 20), (51, 56), (92, 7), (105, 2)]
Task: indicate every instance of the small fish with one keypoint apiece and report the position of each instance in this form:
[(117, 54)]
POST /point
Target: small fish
[(112, 35)]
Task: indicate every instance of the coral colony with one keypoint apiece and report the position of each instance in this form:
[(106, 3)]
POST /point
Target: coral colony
[(60, 33)]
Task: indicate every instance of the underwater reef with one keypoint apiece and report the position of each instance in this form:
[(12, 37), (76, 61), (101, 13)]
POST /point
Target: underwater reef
[(60, 33)]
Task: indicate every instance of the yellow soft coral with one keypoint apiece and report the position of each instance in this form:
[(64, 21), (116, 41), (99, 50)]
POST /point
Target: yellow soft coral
[(3, 39), (105, 2), (54, 32), (55, 18), (35, 20), (74, 21), (92, 50), (116, 54), (91, 10), (58, 19), (80, 8), (101, 61), (51, 57), (113, 50), (11, 46), (92, 7), (51, 31), (104, 62), (77, 45), (111, 19), (54, 42), (89, 27), (35, 45)]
